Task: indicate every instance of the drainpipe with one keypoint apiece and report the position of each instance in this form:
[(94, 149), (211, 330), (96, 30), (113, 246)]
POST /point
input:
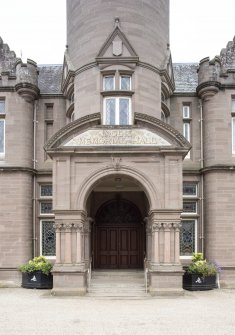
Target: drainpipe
[(202, 176), (34, 177)]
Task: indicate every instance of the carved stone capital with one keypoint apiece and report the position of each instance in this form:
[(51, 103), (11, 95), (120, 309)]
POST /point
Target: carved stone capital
[(79, 227), (177, 226), (58, 226), (156, 227), (167, 226), (67, 226)]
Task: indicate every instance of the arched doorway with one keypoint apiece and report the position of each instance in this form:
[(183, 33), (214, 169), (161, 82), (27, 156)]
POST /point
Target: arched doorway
[(118, 236)]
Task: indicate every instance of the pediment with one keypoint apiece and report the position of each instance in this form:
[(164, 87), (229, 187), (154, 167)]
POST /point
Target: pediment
[(148, 134), (121, 137), (117, 46)]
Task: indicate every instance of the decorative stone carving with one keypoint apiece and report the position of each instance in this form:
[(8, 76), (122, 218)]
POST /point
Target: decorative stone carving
[(156, 226)]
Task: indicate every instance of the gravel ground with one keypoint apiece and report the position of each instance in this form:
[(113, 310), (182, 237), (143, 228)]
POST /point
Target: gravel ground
[(34, 312)]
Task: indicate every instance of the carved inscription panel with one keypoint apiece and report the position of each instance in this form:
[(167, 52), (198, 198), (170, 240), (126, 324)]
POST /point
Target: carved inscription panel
[(117, 137)]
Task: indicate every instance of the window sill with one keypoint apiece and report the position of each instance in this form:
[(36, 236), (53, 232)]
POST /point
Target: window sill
[(116, 93)]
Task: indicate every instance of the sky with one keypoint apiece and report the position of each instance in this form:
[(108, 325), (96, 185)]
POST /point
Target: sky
[(198, 28)]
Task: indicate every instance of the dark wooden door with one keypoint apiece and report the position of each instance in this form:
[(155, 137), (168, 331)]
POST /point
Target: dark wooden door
[(118, 245)]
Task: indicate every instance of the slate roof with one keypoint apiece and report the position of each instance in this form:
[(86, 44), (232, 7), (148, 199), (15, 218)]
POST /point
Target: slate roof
[(49, 79), (186, 78), (185, 75)]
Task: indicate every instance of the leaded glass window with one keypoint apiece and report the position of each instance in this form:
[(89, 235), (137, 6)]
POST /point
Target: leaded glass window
[(125, 83), (110, 111), (117, 111), (187, 238), (2, 107), (46, 190), (109, 83), (189, 206), (124, 111), (46, 207), (2, 136), (190, 189), (48, 238)]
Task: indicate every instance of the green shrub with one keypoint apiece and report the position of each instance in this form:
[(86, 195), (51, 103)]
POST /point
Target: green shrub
[(37, 264), (201, 267)]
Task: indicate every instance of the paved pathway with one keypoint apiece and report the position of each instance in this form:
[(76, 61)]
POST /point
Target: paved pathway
[(35, 312)]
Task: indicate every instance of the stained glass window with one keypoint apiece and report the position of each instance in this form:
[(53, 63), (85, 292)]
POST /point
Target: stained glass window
[(189, 189), (189, 206), (187, 238), (46, 190), (46, 207), (48, 238)]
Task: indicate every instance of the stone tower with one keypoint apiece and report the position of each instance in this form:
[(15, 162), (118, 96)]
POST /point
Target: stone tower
[(117, 155)]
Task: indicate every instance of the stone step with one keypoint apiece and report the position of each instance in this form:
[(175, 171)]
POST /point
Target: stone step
[(118, 284)]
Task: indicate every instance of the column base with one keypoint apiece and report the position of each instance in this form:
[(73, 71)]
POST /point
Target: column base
[(166, 280), (69, 280)]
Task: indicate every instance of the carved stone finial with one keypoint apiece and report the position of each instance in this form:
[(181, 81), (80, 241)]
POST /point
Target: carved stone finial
[(117, 22)]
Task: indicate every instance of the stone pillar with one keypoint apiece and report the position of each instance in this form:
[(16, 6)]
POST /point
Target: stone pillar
[(177, 226), (165, 269), (69, 272), (87, 239), (148, 240), (156, 226), (68, 242), (58, 227), (79, 245), (167, 227)]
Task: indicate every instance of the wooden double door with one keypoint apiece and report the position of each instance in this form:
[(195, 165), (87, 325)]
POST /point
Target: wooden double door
[(118, 237)]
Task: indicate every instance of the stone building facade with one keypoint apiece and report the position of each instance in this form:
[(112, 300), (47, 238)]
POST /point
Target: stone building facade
[(117, 159)]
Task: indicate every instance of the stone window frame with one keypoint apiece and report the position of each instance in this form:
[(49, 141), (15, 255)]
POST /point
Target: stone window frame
[(42, 220), (43, 217), (187, 216), (186, 116), (3, 121), (117, 93)]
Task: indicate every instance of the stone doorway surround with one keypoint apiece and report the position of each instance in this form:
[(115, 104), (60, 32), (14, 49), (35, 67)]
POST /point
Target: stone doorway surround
[(84, 153)]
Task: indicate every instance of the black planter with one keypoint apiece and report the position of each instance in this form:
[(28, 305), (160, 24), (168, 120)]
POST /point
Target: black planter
[(36, 279), (194, 282)]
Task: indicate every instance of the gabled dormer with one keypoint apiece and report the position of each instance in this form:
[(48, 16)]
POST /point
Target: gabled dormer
[(117, 49)]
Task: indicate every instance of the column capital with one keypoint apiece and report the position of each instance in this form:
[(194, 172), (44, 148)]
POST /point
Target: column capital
[(79, 226), (177, 225), (58, 226), (156, 226), (167, 226)]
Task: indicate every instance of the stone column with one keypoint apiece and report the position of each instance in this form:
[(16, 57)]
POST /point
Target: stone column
[(58, 227), (68, 242), (167, 227), (156, 226), (79, 229), (148, 240), (87, 236), (177, 226)]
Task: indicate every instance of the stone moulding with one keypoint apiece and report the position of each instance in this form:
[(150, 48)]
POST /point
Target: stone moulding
[(177, 142)]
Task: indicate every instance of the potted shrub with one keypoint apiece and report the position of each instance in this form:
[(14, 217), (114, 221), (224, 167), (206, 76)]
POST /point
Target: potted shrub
[(200, 275), (37, 273)]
